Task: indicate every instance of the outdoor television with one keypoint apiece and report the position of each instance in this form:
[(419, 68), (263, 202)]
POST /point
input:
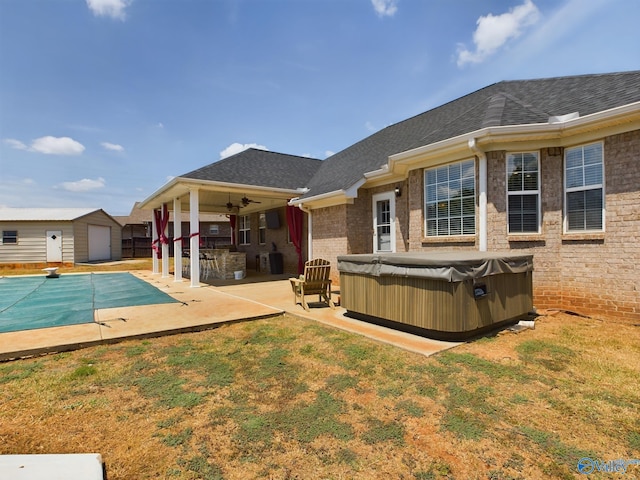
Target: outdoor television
[(273, 220)]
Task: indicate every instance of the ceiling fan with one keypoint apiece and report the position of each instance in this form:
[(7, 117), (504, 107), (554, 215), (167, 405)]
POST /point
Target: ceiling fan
[(246, 201), (230, 206)]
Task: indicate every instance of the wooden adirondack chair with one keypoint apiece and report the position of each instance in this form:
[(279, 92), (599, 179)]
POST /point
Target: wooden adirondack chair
[(314, 281)]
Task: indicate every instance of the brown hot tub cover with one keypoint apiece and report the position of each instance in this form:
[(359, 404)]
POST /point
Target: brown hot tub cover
[(450, 266)]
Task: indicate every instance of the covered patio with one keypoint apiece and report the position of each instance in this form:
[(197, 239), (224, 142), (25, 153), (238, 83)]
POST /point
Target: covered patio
[(253, 188)]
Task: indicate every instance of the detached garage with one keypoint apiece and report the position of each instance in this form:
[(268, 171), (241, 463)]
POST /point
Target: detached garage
[(59, 236)]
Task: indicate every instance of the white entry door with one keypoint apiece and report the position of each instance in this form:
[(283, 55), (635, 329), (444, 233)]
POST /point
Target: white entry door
[(384, 222), (54, 246), (99, 243)]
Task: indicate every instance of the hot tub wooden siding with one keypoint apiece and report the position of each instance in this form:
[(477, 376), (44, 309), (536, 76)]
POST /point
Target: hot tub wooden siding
[(438, 305)]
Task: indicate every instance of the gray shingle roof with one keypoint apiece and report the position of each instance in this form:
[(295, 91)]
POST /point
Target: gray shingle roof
[(504, 103), (261, 168)]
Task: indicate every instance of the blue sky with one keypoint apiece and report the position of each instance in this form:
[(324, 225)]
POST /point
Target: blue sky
[(103, 101)]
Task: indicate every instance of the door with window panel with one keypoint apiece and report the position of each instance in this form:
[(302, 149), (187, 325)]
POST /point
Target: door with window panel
[(384, 222)]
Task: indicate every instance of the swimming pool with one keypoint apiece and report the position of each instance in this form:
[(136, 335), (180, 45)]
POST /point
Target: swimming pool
[(28, 303)]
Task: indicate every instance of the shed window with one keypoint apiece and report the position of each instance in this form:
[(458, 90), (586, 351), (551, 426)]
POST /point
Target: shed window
[(450, 199), (523, 192), (9, 237), (584, 188), (213, 229)]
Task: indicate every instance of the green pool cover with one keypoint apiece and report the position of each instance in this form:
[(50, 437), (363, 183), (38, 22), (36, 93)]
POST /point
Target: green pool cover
[(28, 303)]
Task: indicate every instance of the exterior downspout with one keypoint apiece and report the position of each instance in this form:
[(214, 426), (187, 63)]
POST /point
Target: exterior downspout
[(482, 193)]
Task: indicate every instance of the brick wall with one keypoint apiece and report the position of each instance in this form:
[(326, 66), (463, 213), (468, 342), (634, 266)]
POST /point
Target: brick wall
[(597, 275), (277, 236), (330, 239)]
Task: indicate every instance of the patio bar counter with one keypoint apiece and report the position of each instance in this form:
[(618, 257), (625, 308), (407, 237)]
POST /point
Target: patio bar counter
[(452, 294)]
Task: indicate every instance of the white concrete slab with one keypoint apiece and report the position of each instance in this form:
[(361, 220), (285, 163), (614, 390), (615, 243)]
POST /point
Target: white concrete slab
[(80, 466)]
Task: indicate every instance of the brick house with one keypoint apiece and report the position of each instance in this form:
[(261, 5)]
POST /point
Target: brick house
[(548, 167)]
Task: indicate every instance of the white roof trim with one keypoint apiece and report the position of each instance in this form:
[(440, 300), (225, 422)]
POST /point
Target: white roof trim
[(43, 214)]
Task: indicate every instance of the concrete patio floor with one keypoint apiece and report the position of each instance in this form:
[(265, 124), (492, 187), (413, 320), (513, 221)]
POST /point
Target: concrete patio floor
[(208, 306)]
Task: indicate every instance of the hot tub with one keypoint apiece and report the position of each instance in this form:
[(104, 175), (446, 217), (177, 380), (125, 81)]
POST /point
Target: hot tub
[(444, 294)]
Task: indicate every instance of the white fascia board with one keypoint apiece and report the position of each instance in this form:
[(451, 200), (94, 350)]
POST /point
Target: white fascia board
[(179, 186), (329, 199), (153, 200), (519, 133)]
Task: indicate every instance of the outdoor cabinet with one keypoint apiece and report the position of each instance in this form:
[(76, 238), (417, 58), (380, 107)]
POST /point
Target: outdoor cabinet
[(444, 294), (276, 264)]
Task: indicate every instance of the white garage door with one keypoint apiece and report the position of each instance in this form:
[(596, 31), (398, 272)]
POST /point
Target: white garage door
[(99, 243)]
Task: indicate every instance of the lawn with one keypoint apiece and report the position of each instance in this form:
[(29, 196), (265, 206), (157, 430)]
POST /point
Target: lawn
[(286, 398)]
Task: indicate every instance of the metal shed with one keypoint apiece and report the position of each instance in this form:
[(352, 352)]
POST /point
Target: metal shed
[(59, 236), (447, 294)]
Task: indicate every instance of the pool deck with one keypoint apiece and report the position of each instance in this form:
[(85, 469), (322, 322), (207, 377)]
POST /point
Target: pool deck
[(207, 306)]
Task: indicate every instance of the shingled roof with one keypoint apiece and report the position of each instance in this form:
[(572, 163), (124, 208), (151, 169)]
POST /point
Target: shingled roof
[(505, 103), (261, 168)]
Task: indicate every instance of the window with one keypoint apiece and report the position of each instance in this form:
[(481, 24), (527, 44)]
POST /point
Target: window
[(450, 199), (262, 228), (9, 236), (584, 188), (213, 229), (244, 230), (523, 192)]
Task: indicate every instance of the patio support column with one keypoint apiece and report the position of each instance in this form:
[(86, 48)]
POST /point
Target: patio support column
[(165, 244), (177, 240), (154, 241), (309, 231), (194, 240)]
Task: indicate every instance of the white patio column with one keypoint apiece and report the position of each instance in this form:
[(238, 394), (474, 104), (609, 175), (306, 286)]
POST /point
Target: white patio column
[(194, 241), (165, 245), (177, 240), (154, 241)]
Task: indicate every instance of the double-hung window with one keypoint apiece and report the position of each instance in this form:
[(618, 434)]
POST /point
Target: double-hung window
[(584, 188), (244, 230), (450, 199), (523, 192), (262, 228)]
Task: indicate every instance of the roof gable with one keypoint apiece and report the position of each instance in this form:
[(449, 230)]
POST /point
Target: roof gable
[(507, 103), (261, 168)]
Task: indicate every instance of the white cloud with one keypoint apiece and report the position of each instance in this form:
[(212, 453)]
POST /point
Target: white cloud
[(328, 153), (495, 30), (112, 146), (109, 8), (84, 185), (385, 8), (56, 146), (49, 145), (17, 144), (239, 147)]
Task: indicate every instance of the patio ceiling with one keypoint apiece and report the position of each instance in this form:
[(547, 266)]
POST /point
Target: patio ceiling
[(214, 196)]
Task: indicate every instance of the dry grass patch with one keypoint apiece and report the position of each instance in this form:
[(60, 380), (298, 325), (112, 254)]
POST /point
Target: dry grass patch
[(288, 398)]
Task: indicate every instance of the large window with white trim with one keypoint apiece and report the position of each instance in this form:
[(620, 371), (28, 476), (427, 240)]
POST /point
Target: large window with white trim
[(584, 188), (450, 199), (244, 230), (523, 192)]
